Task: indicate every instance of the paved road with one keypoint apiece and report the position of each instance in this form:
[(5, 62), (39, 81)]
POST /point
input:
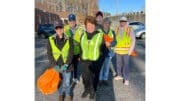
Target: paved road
[(116, 91)]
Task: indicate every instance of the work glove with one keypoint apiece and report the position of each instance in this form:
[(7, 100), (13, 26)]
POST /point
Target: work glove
[(63, 67), (57, 68)]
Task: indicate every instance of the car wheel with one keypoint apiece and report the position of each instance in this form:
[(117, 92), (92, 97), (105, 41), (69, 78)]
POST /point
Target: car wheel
[(143, 36)]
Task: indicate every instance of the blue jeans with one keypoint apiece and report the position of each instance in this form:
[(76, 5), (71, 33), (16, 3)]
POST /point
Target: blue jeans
[(104, 73), (65, 84)]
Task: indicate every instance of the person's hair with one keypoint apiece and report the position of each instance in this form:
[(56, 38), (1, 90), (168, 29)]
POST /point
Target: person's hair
[(99, 13), (90, 19)]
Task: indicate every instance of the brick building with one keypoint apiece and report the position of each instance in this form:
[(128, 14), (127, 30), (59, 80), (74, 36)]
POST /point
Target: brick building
[(47, 11)]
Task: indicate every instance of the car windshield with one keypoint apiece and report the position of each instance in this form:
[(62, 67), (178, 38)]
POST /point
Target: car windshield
[(136, 23), (50, 27)]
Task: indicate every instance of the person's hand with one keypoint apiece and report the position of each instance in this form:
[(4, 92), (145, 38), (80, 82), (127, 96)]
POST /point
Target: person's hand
[(63, 68), (130, 52), (78, 59), (107, 44)]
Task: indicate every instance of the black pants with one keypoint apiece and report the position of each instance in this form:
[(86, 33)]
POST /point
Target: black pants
[(90, 73), (75, 64)]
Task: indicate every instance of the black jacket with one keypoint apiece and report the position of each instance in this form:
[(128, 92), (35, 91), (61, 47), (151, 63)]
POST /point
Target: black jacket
[(60, 43)]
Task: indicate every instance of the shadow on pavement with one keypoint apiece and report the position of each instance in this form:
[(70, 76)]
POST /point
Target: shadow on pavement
[(106, 93)]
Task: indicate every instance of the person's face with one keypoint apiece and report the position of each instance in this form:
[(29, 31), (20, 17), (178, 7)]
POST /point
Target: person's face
[(72, 24), (123, 23), (106, 26), (90, 28), (99, 19), (59, 30)]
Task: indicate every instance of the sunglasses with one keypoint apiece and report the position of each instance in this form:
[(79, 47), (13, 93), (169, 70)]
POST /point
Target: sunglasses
[(58, 27), (122, 21)]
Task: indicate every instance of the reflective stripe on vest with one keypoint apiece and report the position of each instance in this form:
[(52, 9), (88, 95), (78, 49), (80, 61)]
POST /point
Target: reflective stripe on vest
[(123, 42), (56, 52), (91, 48)]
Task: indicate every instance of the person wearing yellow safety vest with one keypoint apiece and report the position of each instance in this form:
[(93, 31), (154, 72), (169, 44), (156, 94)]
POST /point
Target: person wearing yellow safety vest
[(125, 45), (109, 53), (74, 31), (60, 54), (92, 44)]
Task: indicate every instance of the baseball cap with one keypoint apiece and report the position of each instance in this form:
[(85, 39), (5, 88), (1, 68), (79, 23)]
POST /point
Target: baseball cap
[(123, 19), (58, 23), (72, 17), (106, 20)]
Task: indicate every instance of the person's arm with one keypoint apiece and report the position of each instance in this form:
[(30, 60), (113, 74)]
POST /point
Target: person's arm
[(70, 55), (103, 47), (113, 44), (132, 35), (49, 54)]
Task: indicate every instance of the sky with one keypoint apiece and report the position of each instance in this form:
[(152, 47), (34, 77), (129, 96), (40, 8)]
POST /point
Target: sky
[(120, 6)]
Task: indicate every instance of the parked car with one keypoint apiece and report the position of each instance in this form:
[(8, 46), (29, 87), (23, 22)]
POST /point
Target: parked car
[(139, 29), (45, 30)]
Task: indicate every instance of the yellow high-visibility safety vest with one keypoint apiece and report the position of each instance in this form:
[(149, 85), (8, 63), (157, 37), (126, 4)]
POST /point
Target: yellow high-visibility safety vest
[(91, 48), (56, 52), (67, 31), (123, 42), (110, 33), (76, 37)]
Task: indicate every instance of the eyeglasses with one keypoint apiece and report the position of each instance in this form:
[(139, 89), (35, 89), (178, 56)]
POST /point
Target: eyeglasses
[(58, 27)]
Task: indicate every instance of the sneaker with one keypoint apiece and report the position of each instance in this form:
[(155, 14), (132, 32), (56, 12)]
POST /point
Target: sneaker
[(118, 78), (126, 83), (76, 81), (92, 95)]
